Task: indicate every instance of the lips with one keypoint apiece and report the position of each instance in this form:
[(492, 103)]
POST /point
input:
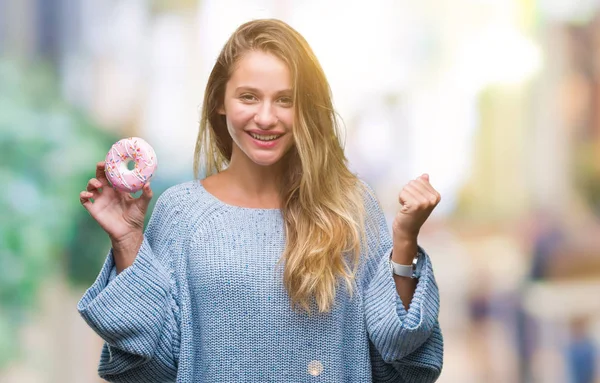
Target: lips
[(265, 137), (265, 141)]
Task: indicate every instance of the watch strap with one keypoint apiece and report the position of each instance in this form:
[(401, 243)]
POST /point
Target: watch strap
[(408, 271), (401, 270)]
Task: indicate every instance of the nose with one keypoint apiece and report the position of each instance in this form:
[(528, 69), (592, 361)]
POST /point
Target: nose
[(265, 117)]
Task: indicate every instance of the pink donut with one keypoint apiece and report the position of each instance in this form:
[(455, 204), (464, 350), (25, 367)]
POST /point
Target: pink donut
[(120, 154)]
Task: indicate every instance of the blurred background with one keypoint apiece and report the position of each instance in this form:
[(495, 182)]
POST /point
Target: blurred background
[(498, 100)]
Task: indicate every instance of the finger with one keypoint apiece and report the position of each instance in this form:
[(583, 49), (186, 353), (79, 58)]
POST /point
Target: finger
[(432, 195), (93, 185), (90, 194), (420, 194), (407, 199), (100, 175), (84, 199), (144, 200), (424, 179), (146, 193)]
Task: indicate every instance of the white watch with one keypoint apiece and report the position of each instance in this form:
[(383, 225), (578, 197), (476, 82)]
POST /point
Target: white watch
[(409, 271)]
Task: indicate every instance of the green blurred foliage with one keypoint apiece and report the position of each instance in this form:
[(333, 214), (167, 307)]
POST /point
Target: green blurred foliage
[(586, 168), (49, 151), (165, 6)]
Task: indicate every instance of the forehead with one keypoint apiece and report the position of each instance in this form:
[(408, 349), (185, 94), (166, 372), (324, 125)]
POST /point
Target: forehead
[(261, 70)]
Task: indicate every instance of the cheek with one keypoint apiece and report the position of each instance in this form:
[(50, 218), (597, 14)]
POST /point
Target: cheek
[(287, 117), (291, 142), (231, 128), (239, 117)]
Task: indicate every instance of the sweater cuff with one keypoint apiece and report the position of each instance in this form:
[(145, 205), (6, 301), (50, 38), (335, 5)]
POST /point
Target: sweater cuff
[(423, 308), (424, 270), (396, 331), (127, 310)]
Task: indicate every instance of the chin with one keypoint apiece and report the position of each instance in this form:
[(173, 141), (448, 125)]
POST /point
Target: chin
[(270, 161)]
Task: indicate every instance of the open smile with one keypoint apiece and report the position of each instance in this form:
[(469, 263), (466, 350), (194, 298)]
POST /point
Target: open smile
[(265, 141)]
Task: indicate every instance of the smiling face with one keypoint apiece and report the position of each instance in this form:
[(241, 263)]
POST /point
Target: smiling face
[(259, 110)]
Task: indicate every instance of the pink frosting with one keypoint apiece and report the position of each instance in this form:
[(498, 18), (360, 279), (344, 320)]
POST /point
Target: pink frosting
[(130, 149)]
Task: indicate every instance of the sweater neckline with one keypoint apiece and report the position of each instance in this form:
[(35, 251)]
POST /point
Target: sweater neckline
[(234, 207)]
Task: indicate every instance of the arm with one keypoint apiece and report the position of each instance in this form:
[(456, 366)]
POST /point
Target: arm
[(407, 344), (418, 199), (403, 253), (136, 312)]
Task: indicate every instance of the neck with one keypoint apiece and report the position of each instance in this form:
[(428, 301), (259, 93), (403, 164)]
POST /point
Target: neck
[(254, 181)]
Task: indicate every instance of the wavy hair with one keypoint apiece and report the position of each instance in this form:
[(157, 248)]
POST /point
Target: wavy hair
[(322, 201)]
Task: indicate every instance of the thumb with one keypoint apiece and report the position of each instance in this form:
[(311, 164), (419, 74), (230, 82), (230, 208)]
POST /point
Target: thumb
[(146, 194), (425, 176)]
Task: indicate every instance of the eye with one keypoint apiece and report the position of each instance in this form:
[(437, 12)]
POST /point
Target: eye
[(286, 101), (247, 97)]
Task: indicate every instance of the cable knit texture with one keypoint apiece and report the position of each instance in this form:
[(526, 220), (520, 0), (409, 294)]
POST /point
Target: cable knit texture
[(204, 301)]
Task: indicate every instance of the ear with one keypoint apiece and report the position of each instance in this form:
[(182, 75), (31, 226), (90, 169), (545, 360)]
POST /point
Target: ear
[(221, 110)]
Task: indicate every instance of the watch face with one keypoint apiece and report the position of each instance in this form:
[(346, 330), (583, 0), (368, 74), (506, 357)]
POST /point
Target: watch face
[(416, 261)]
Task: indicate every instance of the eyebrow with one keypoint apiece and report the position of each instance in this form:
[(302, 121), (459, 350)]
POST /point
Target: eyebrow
[(255, 90)]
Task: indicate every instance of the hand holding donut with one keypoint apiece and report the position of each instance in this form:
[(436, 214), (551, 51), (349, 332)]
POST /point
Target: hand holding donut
[(117, 212), (418, 199), (113, 207)]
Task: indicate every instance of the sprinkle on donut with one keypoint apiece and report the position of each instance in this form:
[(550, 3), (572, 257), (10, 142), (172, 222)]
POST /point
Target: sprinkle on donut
[(130, 149)]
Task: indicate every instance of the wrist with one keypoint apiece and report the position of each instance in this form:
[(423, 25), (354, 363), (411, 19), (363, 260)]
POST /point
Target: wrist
[(128, 241), (403, 236), (125, 250), (404, 250)]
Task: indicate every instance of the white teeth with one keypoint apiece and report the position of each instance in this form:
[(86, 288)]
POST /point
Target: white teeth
[(264, 138)]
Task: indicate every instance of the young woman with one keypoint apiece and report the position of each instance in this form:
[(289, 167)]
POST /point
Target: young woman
[(277, 266)]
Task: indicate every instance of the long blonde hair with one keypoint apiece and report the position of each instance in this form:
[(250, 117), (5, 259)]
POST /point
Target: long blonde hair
[(323, 206)]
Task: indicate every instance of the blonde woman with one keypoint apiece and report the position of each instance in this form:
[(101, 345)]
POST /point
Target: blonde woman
[(278, 265)]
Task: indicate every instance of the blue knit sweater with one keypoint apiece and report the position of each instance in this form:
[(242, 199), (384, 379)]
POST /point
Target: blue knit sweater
[(204, 301)]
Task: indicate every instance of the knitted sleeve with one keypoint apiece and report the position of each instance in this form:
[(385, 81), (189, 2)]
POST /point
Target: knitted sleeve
[(136, 312), (406, 345)]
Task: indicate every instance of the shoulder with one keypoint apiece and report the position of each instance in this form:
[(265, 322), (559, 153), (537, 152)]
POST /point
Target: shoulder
[(188, 202), (179, 202), (375, 219), (177, 197), (370, 199), (180, 190)]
